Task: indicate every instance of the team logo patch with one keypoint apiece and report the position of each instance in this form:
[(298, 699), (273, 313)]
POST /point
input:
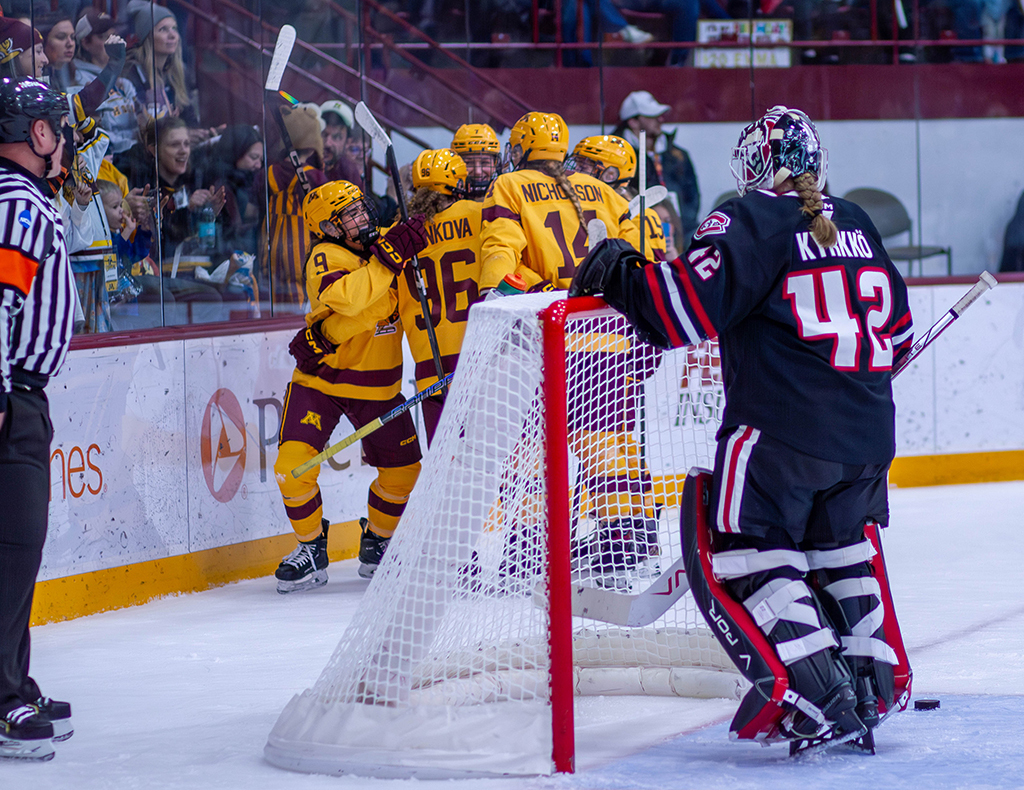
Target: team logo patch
[(25, 218), (312, 418), (715, 225)]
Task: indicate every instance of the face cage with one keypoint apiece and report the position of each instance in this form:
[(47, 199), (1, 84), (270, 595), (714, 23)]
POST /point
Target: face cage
[(365, 234)]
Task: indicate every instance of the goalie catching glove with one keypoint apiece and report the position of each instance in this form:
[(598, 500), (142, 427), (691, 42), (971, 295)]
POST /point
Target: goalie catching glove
[(609, 261), (396, 247), (309, 347)]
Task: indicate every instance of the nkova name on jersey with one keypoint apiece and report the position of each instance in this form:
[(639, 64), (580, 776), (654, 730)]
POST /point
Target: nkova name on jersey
[(849, 244)]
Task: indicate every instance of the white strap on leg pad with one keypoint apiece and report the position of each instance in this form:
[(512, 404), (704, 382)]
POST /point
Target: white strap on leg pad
[(862, 641), (795, 649), (777, 600), (805, 706), (746, 562), (841, 558)]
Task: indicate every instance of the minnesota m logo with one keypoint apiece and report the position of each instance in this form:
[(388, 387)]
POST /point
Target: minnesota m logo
[(312, 418), (8, 51)]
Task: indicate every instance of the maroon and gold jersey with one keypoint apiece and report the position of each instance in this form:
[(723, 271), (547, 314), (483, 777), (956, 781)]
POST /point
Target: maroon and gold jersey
[(530, 226), (451, 268), (357, 300)]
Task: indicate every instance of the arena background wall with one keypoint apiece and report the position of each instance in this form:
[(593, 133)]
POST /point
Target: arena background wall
[(162, 461)]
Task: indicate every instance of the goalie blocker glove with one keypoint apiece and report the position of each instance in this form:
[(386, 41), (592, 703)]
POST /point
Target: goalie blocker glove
[(309, 347), (396, 247)]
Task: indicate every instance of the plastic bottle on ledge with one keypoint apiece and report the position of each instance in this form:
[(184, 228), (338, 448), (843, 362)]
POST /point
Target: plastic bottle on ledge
[(206, 228), (511, 285)]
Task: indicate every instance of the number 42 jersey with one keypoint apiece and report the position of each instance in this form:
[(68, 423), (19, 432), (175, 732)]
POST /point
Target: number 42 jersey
[(808, 334)]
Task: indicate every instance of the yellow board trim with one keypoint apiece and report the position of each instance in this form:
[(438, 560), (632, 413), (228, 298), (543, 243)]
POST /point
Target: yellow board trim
[(131, 585)]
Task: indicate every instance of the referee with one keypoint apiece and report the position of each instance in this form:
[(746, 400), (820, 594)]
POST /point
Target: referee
[(36, 313)]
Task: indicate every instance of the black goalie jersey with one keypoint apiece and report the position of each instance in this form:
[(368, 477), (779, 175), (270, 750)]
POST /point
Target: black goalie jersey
[(808, 334)]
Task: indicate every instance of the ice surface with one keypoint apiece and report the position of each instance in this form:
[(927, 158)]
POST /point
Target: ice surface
[(182, 692)]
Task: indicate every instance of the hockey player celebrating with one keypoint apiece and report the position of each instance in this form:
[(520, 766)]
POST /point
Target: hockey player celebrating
[(451, 268), (810, 315), (479, 148), (612, 160), (348, 362), (535, 217)]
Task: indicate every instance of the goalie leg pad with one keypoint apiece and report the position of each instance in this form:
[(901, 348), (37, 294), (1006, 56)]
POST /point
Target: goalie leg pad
[(852, 596)]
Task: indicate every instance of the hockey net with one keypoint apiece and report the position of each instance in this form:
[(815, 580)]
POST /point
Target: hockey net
[(558, 464)]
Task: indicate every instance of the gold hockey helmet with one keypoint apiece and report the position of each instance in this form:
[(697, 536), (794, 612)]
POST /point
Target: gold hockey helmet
[(327, 204), (441, 170), (541, 135), (610, 153), (476, 138)]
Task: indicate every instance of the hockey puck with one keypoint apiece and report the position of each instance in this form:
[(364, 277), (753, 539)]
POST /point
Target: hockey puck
[(926, 704)]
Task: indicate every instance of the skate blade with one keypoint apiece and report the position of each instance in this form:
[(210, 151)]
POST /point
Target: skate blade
[(817, 746), (32, 751), (366, 571), (62, 730), (311, 582)]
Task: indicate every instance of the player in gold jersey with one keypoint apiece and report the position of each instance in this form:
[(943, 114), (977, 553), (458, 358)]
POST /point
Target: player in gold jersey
[(479, 148), (451, 267), (612, 160), (535, 218), (348, 362)]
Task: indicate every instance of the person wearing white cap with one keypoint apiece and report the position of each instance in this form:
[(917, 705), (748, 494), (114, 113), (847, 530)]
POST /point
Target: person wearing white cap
[(337, 119), (667, 163)]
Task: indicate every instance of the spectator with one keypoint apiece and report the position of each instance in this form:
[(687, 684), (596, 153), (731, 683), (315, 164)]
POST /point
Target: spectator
[(284, 255), (1013, 241), (59, 46), (610, 21), (338, 165), (131, 243), (667, 163), (116, 112), (16, 59), (155, 68), (233, 163)]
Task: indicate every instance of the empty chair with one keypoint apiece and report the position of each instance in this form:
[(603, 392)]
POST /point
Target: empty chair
[(891, 218)]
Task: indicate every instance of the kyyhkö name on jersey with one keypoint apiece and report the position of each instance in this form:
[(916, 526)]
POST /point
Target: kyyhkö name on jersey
[(849, 244)]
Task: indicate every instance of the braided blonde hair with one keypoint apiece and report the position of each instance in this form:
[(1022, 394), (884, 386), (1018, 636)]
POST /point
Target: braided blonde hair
[(550, 167), (823, 229)]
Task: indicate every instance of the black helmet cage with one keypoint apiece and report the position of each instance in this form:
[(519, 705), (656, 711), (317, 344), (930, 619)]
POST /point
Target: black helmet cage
[(367, 233)]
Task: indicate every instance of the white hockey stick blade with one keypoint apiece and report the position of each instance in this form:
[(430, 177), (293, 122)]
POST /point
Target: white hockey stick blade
[(653, 196), (369, 124), (597, 232), (282, 52), (632, 611)]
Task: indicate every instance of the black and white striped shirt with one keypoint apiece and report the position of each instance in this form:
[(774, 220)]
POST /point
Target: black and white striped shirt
[(37, 297)]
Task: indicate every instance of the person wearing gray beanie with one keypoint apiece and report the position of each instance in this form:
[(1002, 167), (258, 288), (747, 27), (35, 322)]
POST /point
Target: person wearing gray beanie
[(146, 15)]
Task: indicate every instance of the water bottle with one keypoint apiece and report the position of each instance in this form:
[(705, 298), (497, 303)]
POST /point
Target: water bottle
[(206, 227)]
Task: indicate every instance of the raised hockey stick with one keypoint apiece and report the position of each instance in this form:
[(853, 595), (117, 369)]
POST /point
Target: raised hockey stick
[(369, 124), (985, 282), (370, 427), (597, 232), (643, 188), (652, 197), (282, 52)]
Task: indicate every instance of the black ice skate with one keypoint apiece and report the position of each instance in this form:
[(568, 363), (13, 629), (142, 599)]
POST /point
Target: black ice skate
[(58, 714), (25, 735), (306, 567), (371, 550), (843, 725)]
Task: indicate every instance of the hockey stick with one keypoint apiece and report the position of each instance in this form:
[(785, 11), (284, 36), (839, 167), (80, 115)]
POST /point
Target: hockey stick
[(370, 427), (652, 197), (597, 232), (283, 51), (369, 124), (985, 282), (643, 188)]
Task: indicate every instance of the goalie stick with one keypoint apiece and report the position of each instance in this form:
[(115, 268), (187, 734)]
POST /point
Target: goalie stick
[(283, 51), (646, 607), (652, 197), (370, 427), (369, 124)]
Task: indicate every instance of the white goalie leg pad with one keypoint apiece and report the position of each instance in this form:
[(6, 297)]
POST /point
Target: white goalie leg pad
[(779, 600), (861, 641), (746, 562), (841, 558)]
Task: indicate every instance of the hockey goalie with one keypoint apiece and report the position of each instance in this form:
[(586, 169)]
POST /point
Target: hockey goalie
[(781, 540)]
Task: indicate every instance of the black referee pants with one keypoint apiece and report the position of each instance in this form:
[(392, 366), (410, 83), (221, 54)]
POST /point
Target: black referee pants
[(24, 501)]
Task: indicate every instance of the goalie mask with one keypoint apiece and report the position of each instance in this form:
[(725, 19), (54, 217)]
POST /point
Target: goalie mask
[(781, 144), (441, 171), (479, 148), (339, 211), (605, 157)]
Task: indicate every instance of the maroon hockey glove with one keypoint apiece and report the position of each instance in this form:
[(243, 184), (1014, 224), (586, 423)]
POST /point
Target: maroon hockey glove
[(309, 347), (401, 243)]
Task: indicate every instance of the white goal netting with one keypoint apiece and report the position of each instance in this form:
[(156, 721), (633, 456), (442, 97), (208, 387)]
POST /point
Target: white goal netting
[(444, 669)]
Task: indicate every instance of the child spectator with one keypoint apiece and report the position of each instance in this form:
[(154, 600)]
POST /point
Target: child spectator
[(131, 244)]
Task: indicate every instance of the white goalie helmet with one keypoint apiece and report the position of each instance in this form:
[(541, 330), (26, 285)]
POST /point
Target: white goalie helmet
[(782, 143)]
